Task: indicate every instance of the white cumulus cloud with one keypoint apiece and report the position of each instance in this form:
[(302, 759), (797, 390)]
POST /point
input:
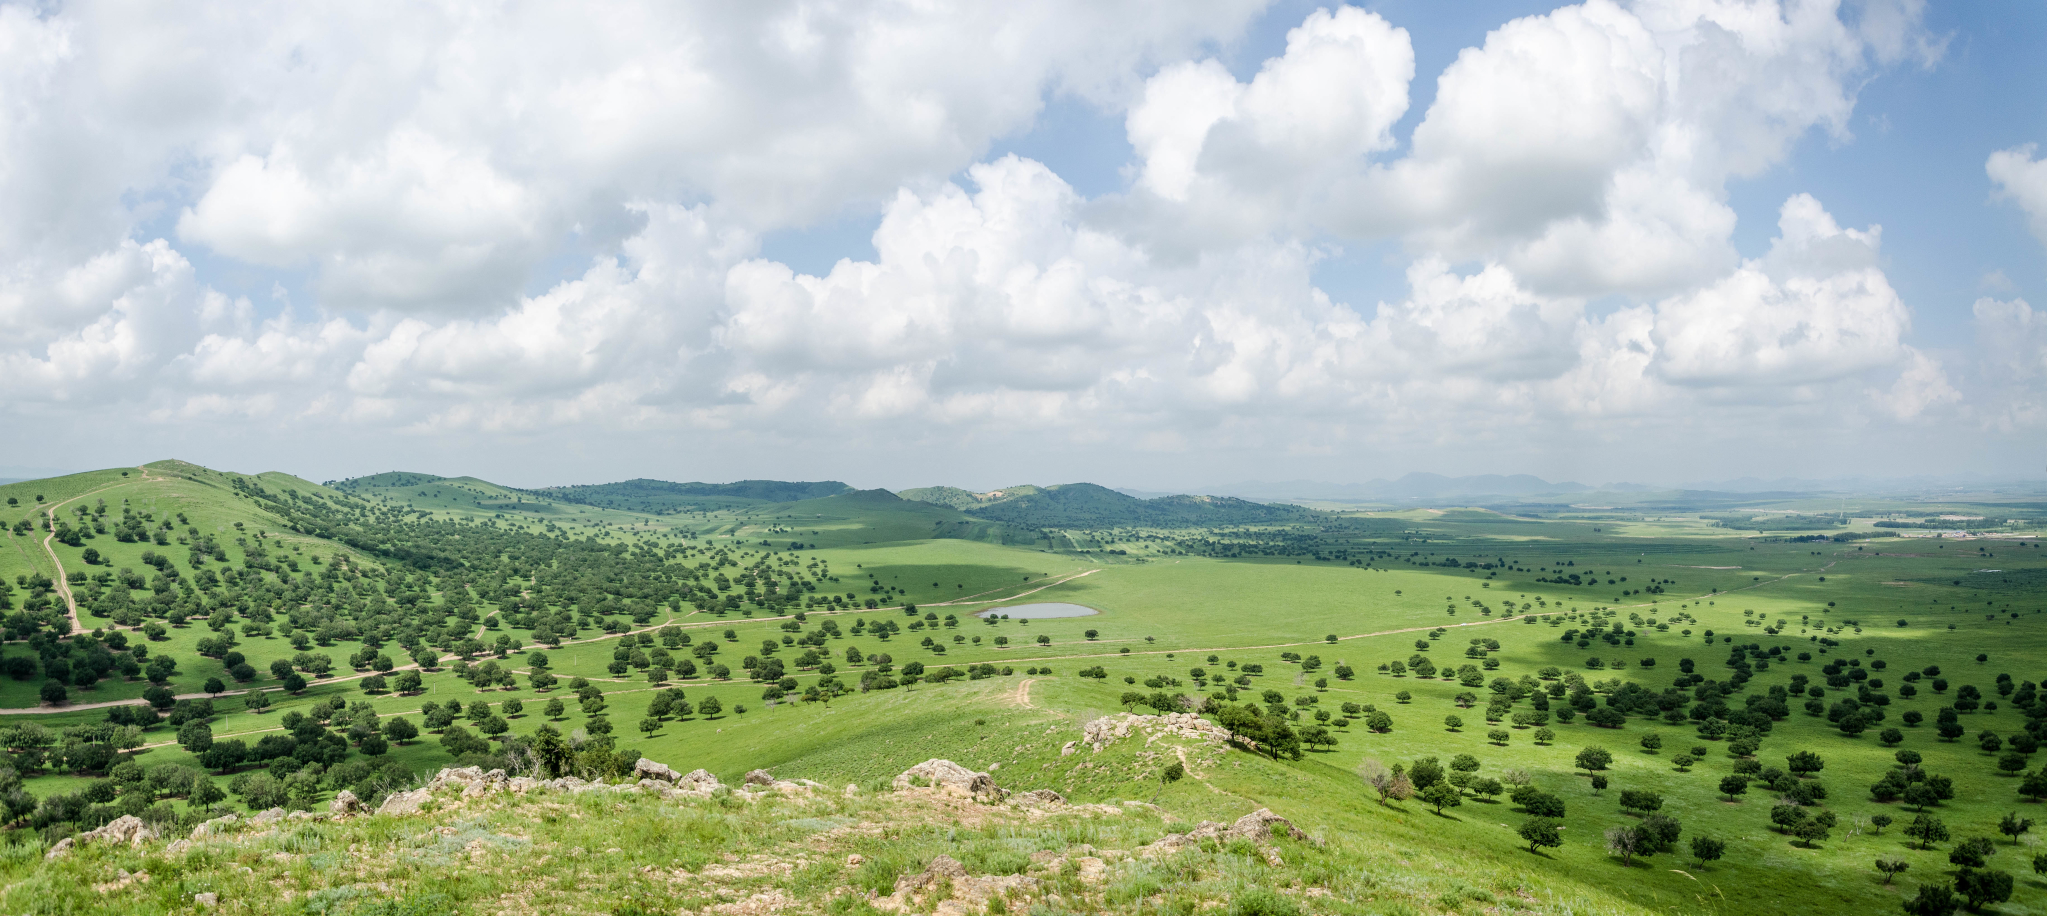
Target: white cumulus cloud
[(545, 225)]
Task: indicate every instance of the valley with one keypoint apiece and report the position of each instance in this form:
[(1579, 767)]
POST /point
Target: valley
[(244, 642)]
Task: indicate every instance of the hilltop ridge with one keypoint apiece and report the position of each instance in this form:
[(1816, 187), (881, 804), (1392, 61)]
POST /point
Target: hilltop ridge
[(660, 496), (938, 837), (1082, 505)]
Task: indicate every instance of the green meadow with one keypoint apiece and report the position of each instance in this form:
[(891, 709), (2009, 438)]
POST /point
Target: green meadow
[(1318, 625)]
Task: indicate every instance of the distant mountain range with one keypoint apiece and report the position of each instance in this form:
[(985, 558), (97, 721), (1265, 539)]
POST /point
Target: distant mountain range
[(1435, 487), (1086, 505), (12, 473), (644, 495), (1411, 486), (639, 494)]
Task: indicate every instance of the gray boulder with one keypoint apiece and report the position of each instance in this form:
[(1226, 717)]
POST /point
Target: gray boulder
[(649, 769), (400, 804), (124, 829), (952, 779)]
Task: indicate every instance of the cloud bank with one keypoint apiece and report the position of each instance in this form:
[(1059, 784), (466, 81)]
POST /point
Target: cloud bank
[(1561, 206)]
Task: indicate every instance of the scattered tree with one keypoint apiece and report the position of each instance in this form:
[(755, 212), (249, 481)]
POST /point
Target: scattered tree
[(1982, 887), (1595, 758), (1804, 763), (1973, 852), (1442, 795), (1542, 832), (1928, 830), (2014, 826), (1706, 849), (1732, 786), (1933, 900), (1391, 785), (1892, 866), (1626, 841)]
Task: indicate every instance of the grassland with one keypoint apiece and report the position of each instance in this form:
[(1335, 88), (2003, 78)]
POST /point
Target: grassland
[(1175, 599)]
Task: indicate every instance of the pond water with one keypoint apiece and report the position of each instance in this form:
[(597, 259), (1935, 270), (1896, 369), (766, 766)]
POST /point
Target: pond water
[(1044, 611)]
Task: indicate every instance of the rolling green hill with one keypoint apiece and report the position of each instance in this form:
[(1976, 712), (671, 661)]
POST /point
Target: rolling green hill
[(878, 516), (661, 496), (386, 631), (385, 480), (967, 499), (1086, 505)]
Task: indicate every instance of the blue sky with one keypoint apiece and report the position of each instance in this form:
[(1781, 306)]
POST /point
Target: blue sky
[(646, 245), (1914, 162)]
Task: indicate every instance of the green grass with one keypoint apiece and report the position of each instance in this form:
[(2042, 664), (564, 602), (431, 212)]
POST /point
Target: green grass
[(601, 853), (1171, 611)]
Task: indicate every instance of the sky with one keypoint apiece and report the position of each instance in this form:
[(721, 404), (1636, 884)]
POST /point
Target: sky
[(1165, 244)]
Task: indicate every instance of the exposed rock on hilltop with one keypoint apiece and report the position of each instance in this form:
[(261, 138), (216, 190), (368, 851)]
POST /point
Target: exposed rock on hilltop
[(942, 839), (1258, 827), (1102, 732), (475, 817), (127, 829), (947, 776)]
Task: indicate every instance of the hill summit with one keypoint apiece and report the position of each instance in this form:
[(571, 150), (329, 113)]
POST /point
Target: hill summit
[(1087, 505)]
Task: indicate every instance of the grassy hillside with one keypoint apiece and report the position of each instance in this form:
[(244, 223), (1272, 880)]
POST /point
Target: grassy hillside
[(800, 851), (864, 517), (837, 636), (661, 496), (967, 499), (1085, 505)]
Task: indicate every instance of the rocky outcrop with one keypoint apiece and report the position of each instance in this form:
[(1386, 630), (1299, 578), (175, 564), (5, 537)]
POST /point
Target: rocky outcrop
[(400, 804), (652, 778), (759, 781), (124, 829), (937, 789), (945, 887), (649, 769), (218, 824), (472, 781), (345, 804), (1107, 730), (699, 781), (1259, 827), (1262, 824), (1038, 798), (951, 778), (123, 879)]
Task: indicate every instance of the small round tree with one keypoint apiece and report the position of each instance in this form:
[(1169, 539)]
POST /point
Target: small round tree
[(1542, 832), (1593, 759), (1732, 786)]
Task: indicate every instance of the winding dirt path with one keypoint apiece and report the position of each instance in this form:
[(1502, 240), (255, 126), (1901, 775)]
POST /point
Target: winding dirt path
[(64, 585), (1188, 767), (50, 514), (1023, 693), (971, 599)]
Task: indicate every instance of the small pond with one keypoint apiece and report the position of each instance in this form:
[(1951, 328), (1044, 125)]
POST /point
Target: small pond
[(1044, 611)]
